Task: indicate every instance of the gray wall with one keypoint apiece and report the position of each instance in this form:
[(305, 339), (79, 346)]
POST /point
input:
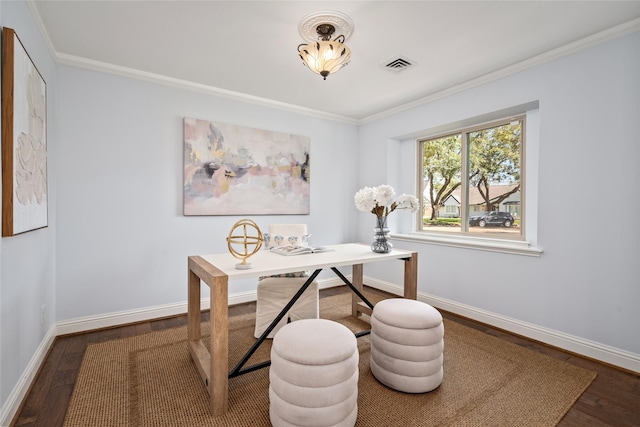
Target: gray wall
[(27, 261)]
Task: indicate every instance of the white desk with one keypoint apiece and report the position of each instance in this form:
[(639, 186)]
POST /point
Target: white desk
[(217, 270)]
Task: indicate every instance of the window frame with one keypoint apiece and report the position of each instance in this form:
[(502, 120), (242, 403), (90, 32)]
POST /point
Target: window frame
[(526, 243), (464, 133)]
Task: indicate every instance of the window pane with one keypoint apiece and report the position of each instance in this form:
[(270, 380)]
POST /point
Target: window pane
[(488, 201), (494, 177), (441, 178)]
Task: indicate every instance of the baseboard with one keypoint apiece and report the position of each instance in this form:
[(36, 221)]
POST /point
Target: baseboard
[(19, 392), (594, 350), (581, 346), (89, 323)]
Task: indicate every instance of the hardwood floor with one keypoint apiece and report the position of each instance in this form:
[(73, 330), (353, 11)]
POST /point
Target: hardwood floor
[(613, 399)]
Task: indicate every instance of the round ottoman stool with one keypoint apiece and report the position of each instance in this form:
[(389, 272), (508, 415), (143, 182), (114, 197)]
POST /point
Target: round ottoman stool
[(407, 345), (313, 378)]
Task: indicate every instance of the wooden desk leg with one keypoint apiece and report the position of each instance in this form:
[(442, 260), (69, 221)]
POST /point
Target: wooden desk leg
[(212, 363), (199, 353), (411, 277), (219, 384), (356, 280), (193, 307)]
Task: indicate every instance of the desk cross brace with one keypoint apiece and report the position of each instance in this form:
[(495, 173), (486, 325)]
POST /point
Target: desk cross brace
[(353, 288), (238, 369)]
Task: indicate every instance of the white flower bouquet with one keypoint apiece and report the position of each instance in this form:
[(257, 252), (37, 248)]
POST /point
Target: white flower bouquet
[(380, 202)]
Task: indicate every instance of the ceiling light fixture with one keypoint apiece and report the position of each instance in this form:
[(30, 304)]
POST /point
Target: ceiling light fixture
[(325, 56)]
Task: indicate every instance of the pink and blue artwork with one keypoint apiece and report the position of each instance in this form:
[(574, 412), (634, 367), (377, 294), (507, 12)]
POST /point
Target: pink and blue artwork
[(237, 170)]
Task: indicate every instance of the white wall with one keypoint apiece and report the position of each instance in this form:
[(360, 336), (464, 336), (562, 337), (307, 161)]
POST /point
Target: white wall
[(586, 284), (27, 267), (122, 239), (118, 241)]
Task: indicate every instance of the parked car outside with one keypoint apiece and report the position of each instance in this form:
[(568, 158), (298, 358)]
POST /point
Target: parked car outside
[(492, 219)]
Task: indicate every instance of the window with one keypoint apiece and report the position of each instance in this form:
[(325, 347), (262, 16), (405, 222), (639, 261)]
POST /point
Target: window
[(488, 201), (452, 211)]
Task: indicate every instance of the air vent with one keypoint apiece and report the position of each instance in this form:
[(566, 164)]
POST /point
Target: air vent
[(398, 64)]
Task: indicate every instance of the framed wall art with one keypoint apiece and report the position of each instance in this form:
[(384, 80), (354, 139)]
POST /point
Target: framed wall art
[(24, 140), (237, 170)]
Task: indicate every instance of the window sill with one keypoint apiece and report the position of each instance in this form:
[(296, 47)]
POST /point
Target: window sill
[(478, 243)]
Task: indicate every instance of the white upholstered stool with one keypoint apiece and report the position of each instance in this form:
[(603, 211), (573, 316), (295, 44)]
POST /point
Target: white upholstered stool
[(407, 343), (313, 378)]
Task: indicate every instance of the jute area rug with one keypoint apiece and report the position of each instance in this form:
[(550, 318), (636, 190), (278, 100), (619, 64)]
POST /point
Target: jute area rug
[(150, 381)]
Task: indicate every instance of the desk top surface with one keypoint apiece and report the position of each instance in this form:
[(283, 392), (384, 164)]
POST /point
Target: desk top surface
[(266, 262)]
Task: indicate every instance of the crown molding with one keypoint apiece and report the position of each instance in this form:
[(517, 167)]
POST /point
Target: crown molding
[(602, 37), (107, 68)]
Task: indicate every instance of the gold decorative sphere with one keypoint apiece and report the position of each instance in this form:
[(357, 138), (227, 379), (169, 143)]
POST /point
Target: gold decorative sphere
[(243, 243)]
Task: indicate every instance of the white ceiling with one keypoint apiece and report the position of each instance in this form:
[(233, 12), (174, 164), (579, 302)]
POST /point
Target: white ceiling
[(250, 47)]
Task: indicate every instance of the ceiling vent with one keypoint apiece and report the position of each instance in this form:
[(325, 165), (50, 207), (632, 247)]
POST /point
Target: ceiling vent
[(398, 64)]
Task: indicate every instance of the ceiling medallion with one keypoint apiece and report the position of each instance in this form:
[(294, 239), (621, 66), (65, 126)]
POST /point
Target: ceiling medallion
[(342, 23)]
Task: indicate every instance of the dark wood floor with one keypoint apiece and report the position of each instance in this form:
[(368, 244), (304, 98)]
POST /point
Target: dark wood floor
[(613, 399)]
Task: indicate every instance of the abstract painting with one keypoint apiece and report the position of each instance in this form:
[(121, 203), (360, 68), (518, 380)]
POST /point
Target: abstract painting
[(24, 140), (237, 170)]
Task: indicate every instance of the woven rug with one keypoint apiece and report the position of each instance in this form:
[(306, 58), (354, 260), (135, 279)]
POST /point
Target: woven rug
[(150, 381)]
